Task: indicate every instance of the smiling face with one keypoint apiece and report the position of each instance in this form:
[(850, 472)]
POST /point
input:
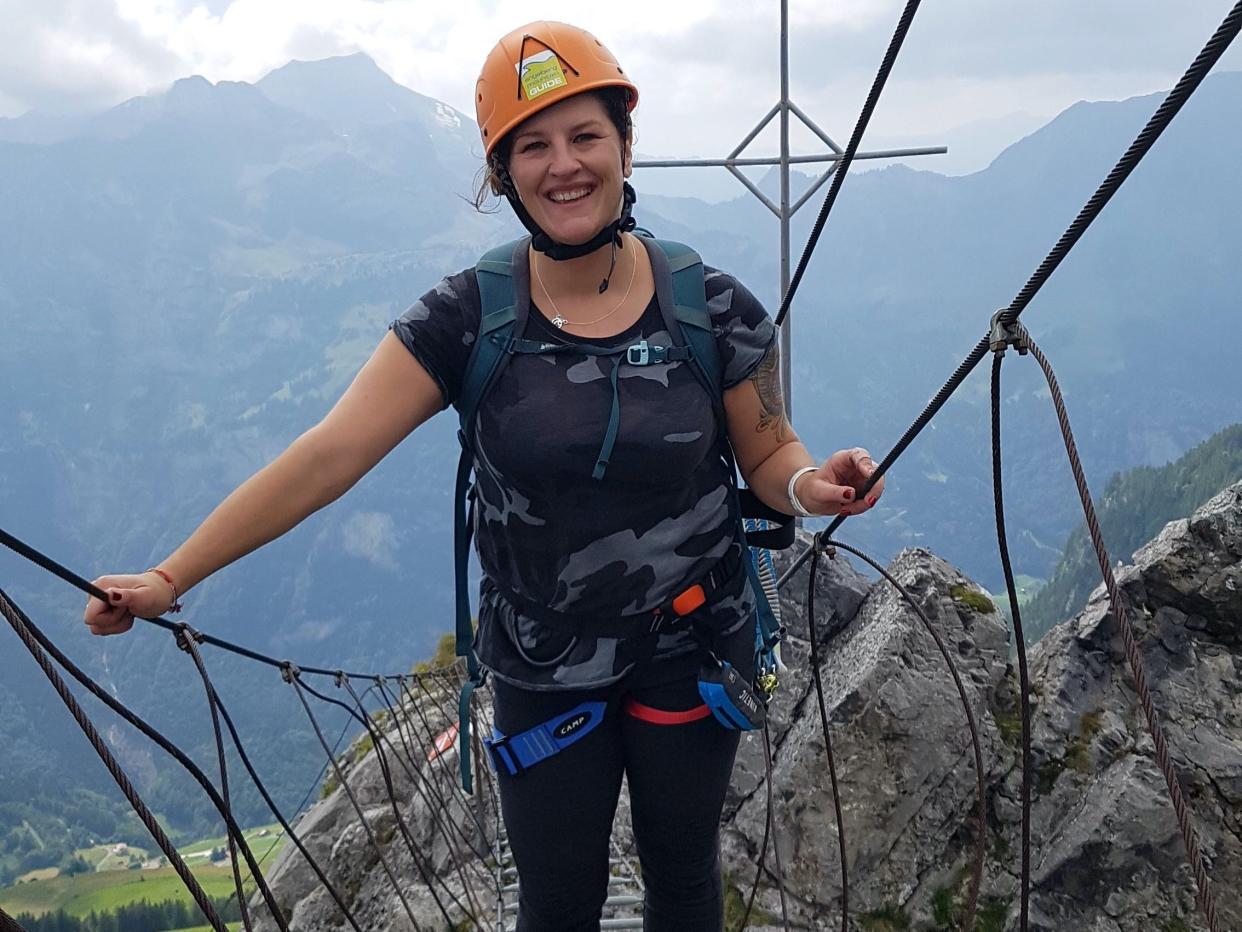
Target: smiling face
[(568, 166)]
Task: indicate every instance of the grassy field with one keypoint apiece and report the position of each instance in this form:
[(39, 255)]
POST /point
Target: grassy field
[(97, 892), (106, 889)]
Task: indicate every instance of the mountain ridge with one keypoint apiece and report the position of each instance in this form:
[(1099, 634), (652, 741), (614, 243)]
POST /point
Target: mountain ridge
[(179, 306)]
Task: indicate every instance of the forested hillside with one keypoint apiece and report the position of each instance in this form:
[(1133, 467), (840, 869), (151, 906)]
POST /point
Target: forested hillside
[(1134, 507)]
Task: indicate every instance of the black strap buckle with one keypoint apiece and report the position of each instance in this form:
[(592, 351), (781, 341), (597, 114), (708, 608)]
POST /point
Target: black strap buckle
[(502, 756)]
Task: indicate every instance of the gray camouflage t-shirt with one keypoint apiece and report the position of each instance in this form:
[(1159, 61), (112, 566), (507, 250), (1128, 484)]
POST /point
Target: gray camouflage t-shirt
[(550, 533)]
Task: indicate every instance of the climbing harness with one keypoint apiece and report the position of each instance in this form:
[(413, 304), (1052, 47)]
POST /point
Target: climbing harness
[(504, 292)]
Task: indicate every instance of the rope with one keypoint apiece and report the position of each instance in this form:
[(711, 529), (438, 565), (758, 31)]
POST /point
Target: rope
[(1206, 900), (843, 166), (25, 630), (976, 877), (823, 718), (1024, 681)]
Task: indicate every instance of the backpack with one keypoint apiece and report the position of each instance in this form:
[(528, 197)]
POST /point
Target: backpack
[(504, 288)]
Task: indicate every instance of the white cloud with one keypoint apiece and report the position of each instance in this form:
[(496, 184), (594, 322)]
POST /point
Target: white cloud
[(708, 69), (371, 535)]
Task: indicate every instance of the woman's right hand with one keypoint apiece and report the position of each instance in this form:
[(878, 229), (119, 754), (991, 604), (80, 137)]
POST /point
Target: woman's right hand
[(145, 595)]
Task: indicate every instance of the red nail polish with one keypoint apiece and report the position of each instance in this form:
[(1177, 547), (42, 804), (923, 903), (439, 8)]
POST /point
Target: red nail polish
[(849, 495), (871, 500), (116, 596)]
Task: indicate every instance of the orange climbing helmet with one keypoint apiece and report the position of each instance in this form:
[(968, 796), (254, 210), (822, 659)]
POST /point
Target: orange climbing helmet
[(535, 66)]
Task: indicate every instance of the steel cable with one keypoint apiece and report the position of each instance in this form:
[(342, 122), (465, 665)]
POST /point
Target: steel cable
[(271, 804), (45, 562), (185, 638), (419, 783), (434, 787), (823, 719), (1168, 109), (171, 749), (25, 628), (1024, 680), (1206, 899), (456, 792), (976, 876), (763, 849), (430, 789), (291, 677), (381, 759), (8, 923)]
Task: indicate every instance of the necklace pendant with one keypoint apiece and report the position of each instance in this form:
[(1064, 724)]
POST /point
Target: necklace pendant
[(559, 322)]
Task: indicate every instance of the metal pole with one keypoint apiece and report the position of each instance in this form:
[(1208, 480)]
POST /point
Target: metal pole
[(787, 326), (784, 211)]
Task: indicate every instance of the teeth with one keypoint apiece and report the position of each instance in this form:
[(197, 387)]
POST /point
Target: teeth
[(563, 196)]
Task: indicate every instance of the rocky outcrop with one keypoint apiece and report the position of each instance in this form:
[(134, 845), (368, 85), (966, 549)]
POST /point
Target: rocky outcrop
[(1109, 854), (1106, 853), (904, 757)]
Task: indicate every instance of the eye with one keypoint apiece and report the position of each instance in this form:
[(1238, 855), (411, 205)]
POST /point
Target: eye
[(530, 146), (586, 137)]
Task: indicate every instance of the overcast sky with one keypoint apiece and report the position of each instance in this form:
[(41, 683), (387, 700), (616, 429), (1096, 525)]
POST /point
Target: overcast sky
[(707, 69)]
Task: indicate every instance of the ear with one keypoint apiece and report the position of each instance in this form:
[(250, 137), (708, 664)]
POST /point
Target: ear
[(627, 158)]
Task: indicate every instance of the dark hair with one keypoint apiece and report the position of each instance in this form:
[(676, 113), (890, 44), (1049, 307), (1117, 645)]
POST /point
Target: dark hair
[(492, 173)]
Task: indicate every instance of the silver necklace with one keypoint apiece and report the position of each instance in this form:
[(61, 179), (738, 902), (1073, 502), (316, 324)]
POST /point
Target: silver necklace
[(560, 321)]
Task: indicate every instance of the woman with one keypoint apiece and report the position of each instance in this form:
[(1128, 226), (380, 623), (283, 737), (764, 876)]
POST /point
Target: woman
[(579, 528)]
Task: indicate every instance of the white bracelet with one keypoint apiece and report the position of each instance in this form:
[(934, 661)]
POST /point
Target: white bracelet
[(798, 507)]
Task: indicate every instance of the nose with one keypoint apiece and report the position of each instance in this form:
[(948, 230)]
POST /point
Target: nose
[(564, 160)]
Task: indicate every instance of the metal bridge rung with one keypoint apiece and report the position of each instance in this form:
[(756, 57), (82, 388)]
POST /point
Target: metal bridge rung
[(625, 899)]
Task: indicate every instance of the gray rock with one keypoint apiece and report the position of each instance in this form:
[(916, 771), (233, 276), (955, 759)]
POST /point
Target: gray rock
[(1107, 854), (902, 750)]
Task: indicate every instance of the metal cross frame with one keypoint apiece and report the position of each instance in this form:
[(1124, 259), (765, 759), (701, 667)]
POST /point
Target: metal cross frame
[(784, 211)]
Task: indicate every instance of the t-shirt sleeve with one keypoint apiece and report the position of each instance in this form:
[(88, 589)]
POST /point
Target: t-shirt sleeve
[(439, 329), (744, 331)]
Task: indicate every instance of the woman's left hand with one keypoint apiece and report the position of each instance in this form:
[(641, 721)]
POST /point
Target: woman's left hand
[(836, 487)]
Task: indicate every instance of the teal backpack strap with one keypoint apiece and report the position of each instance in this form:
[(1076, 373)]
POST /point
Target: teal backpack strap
[(682, 296), (680, 284), (498, 312)]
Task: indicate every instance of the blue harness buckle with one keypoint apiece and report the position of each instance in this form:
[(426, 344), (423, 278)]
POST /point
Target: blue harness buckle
[(518, 753), (639, 354)]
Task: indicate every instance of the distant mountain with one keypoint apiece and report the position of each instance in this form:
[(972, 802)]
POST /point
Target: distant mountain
[(188, 281), (1133, 507)]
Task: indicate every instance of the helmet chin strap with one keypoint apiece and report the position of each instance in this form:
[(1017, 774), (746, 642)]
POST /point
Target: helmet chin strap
[(559, 252)]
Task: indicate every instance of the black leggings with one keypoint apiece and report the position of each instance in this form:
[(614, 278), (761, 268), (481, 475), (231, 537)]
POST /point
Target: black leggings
[(559, 814)]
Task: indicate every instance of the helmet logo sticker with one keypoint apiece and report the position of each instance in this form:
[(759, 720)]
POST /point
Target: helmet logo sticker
[(540, 73)]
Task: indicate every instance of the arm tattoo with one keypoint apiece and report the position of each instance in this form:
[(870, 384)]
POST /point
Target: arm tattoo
[(767, 382)]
